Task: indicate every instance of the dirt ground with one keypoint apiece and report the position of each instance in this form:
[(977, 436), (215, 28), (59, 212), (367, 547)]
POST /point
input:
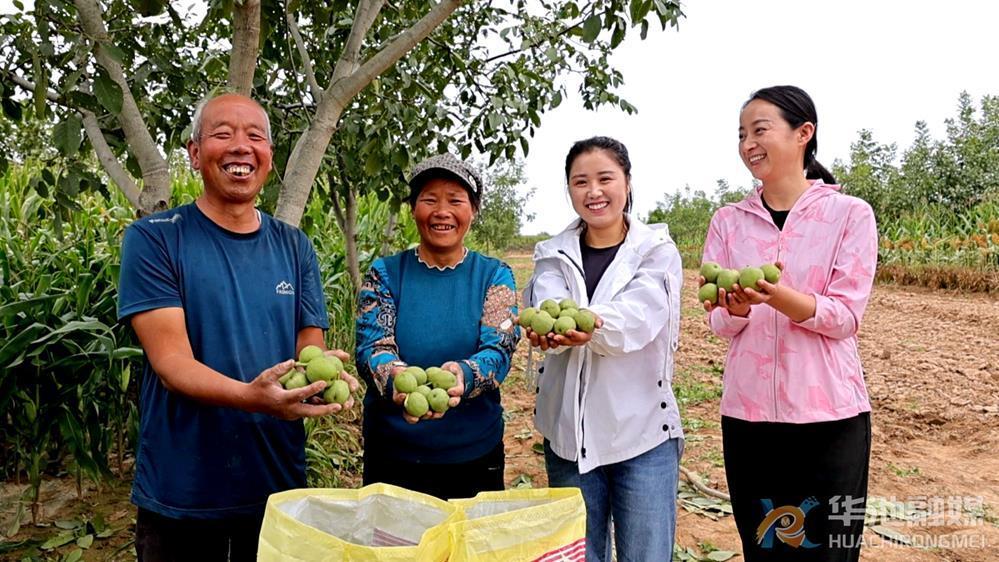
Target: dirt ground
[(932, 365)]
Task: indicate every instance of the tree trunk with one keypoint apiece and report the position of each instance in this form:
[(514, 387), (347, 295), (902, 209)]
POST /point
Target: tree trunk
[(305, 161), (389, 233), (245, 45), (307, 156), (155, 170), (350, 239)]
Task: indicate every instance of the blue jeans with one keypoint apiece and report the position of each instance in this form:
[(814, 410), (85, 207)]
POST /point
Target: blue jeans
[(639, 494)]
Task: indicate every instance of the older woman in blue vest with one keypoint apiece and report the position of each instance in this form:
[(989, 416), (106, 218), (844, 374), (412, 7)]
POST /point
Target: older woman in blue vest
[(437, 305)]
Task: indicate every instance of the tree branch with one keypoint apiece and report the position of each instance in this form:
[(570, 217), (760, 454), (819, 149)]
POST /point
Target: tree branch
[(364, 18), (310, 74), (543, 40), (245, 45), (155, 170), (104, 153), (307, 155), (108, 160), (344, 90)]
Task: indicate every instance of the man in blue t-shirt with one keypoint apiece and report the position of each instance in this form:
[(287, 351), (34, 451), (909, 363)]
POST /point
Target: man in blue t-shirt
[(222, 297)]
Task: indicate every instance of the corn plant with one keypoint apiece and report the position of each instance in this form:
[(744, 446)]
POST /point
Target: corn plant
[(64, 362)]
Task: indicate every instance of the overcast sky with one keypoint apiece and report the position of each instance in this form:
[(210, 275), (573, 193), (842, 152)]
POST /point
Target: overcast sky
[(868, 64)]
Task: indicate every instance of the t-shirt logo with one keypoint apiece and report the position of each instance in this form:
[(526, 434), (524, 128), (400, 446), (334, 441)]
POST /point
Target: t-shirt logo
[(284, 288)]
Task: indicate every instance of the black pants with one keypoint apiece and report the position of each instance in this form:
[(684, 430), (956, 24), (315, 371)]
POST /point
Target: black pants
[(789, 477), (162, 539), (445, 481)]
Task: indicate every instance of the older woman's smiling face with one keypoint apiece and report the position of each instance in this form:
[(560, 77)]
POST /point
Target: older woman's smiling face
[(443, 214)]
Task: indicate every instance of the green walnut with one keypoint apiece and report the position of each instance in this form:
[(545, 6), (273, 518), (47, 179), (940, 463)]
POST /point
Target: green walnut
[(567, 303), (542, 323), (564, 324), (323, 369), (433, 372), (405, 383), (286, 377), (526, 315), (297, 380), (337, 393), (423, 389), (419, 374), (708, 292), (309, 353), (571, 312), (416, 405), (438, 400), (727, 278), (551, 307), (443, 379), (771, 273), (710, 271), (749, 276), (585, 321)]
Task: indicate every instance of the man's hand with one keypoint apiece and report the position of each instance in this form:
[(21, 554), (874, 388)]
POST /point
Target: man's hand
[(266, 395)]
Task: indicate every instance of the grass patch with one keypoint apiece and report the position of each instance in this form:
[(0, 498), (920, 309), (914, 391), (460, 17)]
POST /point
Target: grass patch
[(689, 389), (904, 472)]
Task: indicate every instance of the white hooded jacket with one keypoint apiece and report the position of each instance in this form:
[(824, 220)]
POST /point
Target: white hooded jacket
[(612, 399)]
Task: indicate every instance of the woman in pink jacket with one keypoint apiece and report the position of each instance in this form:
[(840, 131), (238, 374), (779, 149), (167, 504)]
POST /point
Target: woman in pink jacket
[(796, 424)]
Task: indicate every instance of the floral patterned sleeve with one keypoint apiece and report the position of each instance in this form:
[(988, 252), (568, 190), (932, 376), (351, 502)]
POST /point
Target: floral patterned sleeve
[(498, 336), (375, 331)]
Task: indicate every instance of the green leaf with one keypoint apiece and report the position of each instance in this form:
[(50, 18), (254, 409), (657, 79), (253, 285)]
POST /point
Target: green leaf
[(68, 524), (11, 309), (74, 556), (126, 353), (721, 555), (85, 541), (74, 326), (126, 374), (57, 541), (68, 134), (618, 36), (108, 93), (114, 52), (373, 163), (591, 29), (639, 9), (84, 101), (11, 109)]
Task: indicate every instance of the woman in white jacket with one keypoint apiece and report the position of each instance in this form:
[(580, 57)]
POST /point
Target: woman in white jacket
[(605, 400)]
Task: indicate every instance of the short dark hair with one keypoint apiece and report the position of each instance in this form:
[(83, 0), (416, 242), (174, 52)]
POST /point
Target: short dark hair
[(797, 108), (614, 147)]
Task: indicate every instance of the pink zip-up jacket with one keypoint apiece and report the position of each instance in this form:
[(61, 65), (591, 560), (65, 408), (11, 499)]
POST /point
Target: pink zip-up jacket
[(778, 370)]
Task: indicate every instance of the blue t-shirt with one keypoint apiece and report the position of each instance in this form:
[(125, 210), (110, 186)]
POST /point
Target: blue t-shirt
[(245, 298), (426, 317)]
